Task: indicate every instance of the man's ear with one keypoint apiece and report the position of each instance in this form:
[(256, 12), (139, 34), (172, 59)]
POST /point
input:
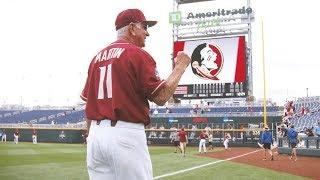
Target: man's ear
[(131, 30)]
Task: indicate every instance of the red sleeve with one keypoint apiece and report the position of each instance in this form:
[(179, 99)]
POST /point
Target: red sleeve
[(147, 75), (85, 91)]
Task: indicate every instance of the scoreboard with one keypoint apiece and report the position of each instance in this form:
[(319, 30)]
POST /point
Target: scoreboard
[(217, 90)]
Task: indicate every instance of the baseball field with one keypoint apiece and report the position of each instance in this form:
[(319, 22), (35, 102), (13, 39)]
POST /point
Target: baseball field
[(48, 161)]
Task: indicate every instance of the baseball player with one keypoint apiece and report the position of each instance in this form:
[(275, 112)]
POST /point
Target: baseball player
[(4, 136), (122, 78), (202, 143), (226, 140), (16, 137), (175, 141), (183, 141), (34, 137)]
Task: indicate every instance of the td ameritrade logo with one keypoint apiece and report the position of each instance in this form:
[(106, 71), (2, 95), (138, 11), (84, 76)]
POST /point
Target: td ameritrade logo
[(176, 17)]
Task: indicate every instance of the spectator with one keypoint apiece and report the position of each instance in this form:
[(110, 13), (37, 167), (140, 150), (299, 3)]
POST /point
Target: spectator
[(289, 109), (309, 132), (307, 111), (155, 111), (161, 135), (229, 126), (317, 130), (302, 110), (283, 130), (207, 129), (172, 131), (152, 134)]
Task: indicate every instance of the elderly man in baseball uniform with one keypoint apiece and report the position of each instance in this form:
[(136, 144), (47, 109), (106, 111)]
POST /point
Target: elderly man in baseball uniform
[(122, 77)]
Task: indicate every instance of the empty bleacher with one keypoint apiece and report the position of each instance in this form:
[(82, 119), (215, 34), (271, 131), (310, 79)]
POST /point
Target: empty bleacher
[(310, 118), (27, 116)]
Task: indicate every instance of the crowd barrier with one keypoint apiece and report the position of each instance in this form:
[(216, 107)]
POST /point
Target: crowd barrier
[(307, 146)]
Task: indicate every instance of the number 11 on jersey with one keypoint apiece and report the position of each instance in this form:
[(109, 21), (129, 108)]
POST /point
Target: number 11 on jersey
[(108, 80)]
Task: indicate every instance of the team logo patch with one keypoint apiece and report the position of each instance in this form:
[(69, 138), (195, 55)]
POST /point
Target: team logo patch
[(206, 61)]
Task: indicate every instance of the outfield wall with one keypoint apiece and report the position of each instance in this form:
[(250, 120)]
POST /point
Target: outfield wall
[(219, 120), (66, 134), (48, 135)]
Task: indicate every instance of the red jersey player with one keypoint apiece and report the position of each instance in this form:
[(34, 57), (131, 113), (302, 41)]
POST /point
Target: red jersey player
[(122, 77), (183, 141), (202, 143)]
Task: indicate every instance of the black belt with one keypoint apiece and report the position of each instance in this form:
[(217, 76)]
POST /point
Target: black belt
[(113, 123)]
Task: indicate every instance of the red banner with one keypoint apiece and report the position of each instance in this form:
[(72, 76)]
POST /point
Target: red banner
[(199, 120)]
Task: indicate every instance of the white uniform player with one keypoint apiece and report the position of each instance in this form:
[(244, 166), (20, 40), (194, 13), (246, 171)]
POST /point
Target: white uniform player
[(16, 137), (4, 137), (34, 138), (227, 138)]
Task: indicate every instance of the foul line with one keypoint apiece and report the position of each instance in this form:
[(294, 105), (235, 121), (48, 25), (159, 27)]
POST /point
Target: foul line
[(197, 167)]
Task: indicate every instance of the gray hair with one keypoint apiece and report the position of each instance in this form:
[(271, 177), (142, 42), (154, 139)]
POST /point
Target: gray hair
[(122, 30)]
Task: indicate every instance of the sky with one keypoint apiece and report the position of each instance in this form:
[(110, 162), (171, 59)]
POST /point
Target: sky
[(47, 45)]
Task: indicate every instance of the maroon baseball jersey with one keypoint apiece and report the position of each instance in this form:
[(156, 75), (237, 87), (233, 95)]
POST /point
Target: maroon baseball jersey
[(121, 79), (182, 136), (203, 135)]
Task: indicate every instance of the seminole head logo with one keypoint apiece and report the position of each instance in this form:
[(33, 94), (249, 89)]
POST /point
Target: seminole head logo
[(206, 61)]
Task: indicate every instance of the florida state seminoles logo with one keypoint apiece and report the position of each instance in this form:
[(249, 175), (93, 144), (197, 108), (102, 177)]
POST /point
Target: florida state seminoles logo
[(206, 61)]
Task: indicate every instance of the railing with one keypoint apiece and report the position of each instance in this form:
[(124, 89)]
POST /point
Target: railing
[(217, 114), (305, 142)]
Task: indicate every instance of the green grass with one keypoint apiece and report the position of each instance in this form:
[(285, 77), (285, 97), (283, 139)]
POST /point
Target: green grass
[(50, 161)]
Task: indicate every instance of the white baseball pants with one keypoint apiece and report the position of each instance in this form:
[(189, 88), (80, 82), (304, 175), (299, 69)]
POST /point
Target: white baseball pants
[(34, 139), (202, 143), (118, 153), (16, 139), (226, 143)]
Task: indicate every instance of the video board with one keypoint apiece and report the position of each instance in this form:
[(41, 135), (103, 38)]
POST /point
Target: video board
[(218, 68)]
